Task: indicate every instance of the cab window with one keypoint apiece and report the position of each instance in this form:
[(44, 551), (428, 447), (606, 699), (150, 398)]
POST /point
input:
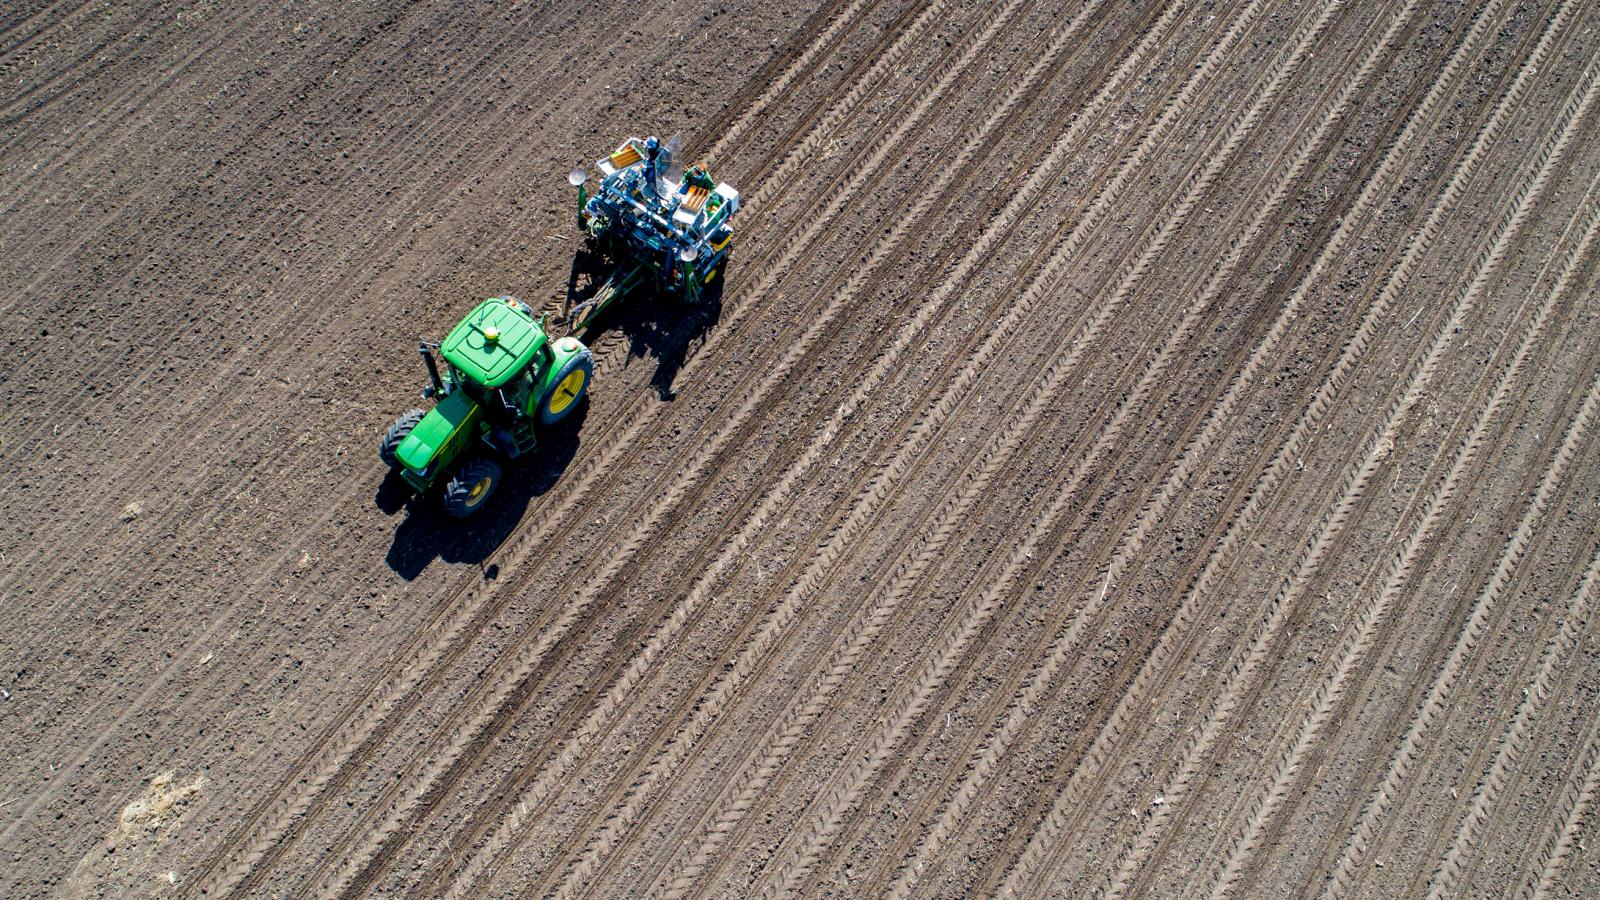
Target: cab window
[(518, 391)]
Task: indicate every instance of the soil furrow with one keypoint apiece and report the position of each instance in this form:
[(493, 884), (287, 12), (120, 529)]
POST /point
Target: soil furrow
[(969, 629), (1021, 711), (1577, 800), (1361, 640), (1120, 725), (1440, 693), (1376, 447), (155, 683), (685, 615), (519, 667), (844, 535), (1535, 695), (1136, 448)]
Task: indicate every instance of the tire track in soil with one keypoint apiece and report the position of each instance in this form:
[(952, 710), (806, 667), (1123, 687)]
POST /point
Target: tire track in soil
[(1433, 511), (625, 440), (1021, 709), (1391, 791), (842, 536), (505, 693), (1378, 710), (858, 396), (404, 154), (1028, 874), (155, 684), (1241, 670), (687, 614), (910, 572), (37, 21), (1576, 801), (1532, 810), (792, 733), (775, 176), (1514, 741), (636, 669), (580, 582), (743, 110), (38, 98), (1529, 818), (802, 140), (404, 662), (980, 354), (245, 478)]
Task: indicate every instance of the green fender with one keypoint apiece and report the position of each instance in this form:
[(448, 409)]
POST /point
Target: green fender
[(561, 350)]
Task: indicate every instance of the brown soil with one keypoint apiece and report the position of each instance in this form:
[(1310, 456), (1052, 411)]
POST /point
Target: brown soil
[(1138, 450)]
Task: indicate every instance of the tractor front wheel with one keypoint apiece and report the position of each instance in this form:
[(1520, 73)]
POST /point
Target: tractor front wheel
[(397, 435), (567, 389), (470, 487)]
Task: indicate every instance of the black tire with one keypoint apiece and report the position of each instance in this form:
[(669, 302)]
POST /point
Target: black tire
[(396, 435), (471, 487), (564, 396)]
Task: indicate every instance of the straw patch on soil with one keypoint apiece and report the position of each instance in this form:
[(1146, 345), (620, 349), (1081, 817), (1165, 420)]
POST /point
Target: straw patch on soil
[(160, 805)]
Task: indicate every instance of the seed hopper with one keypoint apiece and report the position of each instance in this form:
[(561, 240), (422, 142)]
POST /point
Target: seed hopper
[(659, 225)]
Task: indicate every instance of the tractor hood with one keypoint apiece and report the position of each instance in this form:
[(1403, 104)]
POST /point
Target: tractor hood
[(455, 413), (493, 343)]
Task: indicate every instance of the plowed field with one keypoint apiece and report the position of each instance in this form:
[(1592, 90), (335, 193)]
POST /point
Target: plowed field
[(1138, 449)]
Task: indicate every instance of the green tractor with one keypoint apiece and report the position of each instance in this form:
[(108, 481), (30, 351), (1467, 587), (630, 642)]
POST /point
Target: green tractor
[(503, 379)]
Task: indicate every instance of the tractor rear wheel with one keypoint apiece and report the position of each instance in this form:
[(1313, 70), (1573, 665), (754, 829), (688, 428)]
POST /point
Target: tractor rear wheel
[(396, 435), (567, 389), (470, 487)]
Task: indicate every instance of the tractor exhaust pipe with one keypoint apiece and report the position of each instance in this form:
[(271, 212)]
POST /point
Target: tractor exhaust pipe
[(433, 370)]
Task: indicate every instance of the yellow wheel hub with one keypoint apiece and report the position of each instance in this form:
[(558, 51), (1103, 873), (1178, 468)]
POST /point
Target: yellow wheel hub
[(567, 391), (478, 490)]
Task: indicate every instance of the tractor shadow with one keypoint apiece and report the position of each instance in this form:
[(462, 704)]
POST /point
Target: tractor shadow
[(428, 533), (656, 328)]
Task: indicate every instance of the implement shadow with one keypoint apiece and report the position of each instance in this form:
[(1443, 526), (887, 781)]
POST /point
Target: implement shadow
[(661, 329), (428, 533), (655, 326)]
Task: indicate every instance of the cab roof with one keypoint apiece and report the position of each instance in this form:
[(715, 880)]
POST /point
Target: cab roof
[(492, 362)]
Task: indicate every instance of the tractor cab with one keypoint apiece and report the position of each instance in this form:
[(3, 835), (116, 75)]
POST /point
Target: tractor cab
[(494, 344)]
